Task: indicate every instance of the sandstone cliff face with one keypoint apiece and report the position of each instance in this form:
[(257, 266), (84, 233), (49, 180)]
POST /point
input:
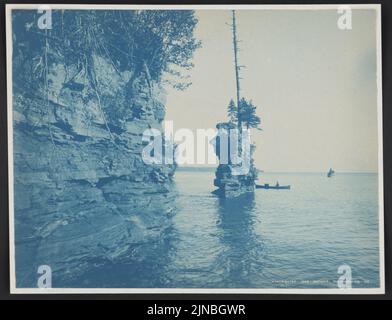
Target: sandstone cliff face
[(83, 196), (231, 184)]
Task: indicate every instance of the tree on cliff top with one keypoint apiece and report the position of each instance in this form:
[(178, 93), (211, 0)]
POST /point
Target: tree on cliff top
[(232, 111), (161, 40), (247, 114)]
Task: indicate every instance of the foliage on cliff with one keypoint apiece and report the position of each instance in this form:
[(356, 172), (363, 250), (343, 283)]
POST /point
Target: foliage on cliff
[(247, 114), (161, 40)]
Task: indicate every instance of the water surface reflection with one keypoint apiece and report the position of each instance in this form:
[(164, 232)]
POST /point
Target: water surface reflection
[(243, 248)]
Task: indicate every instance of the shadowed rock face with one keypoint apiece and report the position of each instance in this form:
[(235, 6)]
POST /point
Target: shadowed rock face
[(83, 196), (231, 185)]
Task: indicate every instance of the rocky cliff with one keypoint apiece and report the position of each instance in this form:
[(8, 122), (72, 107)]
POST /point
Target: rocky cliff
[(83, 196), (233, 179)]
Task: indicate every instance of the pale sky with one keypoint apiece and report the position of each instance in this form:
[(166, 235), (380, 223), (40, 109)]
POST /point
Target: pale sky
[(314, 86)]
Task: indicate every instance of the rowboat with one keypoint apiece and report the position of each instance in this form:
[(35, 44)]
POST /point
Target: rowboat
[(275, 187)]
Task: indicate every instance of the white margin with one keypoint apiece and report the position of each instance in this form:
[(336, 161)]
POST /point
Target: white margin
[(380, 152), (14, 290)]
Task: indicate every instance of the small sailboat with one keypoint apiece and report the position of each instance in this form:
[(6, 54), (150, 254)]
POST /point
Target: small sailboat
[(330, 173)]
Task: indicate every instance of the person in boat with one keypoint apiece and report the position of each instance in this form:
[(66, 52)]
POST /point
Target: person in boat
[(277, 184)]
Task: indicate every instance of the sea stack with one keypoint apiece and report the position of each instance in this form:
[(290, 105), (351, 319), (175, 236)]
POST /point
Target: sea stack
[(233, 179), (236, 173)]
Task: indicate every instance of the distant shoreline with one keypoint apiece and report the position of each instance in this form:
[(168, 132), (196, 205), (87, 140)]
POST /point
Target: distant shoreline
[(212, 169)]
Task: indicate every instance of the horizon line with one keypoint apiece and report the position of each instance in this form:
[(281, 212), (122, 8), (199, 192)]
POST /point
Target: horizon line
[(278, 171)]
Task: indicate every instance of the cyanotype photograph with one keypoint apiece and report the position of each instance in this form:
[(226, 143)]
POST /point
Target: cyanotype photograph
[(195, 149)]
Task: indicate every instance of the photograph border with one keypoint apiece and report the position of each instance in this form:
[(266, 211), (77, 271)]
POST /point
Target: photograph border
[(15, 290)]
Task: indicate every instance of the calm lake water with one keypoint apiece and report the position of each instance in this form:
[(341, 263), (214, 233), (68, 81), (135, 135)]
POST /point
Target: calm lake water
[(275, 239)]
